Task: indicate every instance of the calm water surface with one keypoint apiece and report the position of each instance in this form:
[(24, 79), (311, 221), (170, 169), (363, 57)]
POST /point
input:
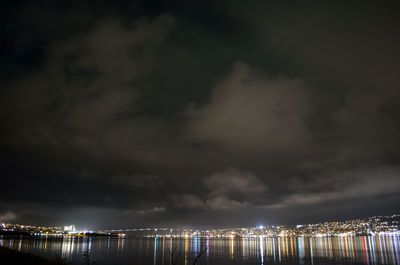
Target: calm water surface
[(382, 249)]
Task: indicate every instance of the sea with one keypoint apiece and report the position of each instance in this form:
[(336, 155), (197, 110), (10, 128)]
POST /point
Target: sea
[(369, 250)]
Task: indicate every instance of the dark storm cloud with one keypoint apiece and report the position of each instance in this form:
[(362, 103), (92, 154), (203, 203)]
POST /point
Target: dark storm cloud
[(137, 114)]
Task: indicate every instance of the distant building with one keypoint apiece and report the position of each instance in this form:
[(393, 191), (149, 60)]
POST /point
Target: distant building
[(69, 228)]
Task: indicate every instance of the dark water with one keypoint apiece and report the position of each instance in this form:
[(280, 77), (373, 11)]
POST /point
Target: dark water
[(383, 249)]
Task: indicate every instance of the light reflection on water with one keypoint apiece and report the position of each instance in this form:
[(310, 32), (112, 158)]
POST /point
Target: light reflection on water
[(369, 250)]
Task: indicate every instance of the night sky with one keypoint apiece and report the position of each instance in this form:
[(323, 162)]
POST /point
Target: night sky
[(198, 114)]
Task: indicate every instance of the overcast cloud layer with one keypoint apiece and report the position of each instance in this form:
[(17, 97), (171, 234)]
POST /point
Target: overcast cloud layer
[(134, 114)]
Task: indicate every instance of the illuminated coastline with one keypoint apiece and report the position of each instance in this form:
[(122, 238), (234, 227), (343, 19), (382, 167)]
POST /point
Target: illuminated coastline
[(371, 226)]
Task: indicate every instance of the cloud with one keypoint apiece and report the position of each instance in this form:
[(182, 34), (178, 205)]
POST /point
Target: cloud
[(224, 203), (8, 216), (233, 181), (87, 85), (153, 210), (346, 185), (249, 113), (263, 110), (229, 190), (189, 201), (232, 190)]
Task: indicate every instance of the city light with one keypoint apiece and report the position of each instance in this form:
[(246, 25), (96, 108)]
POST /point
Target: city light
[(371, 226)]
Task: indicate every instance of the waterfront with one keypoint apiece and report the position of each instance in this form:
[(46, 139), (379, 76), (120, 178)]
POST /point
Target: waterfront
[(382, 249)]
